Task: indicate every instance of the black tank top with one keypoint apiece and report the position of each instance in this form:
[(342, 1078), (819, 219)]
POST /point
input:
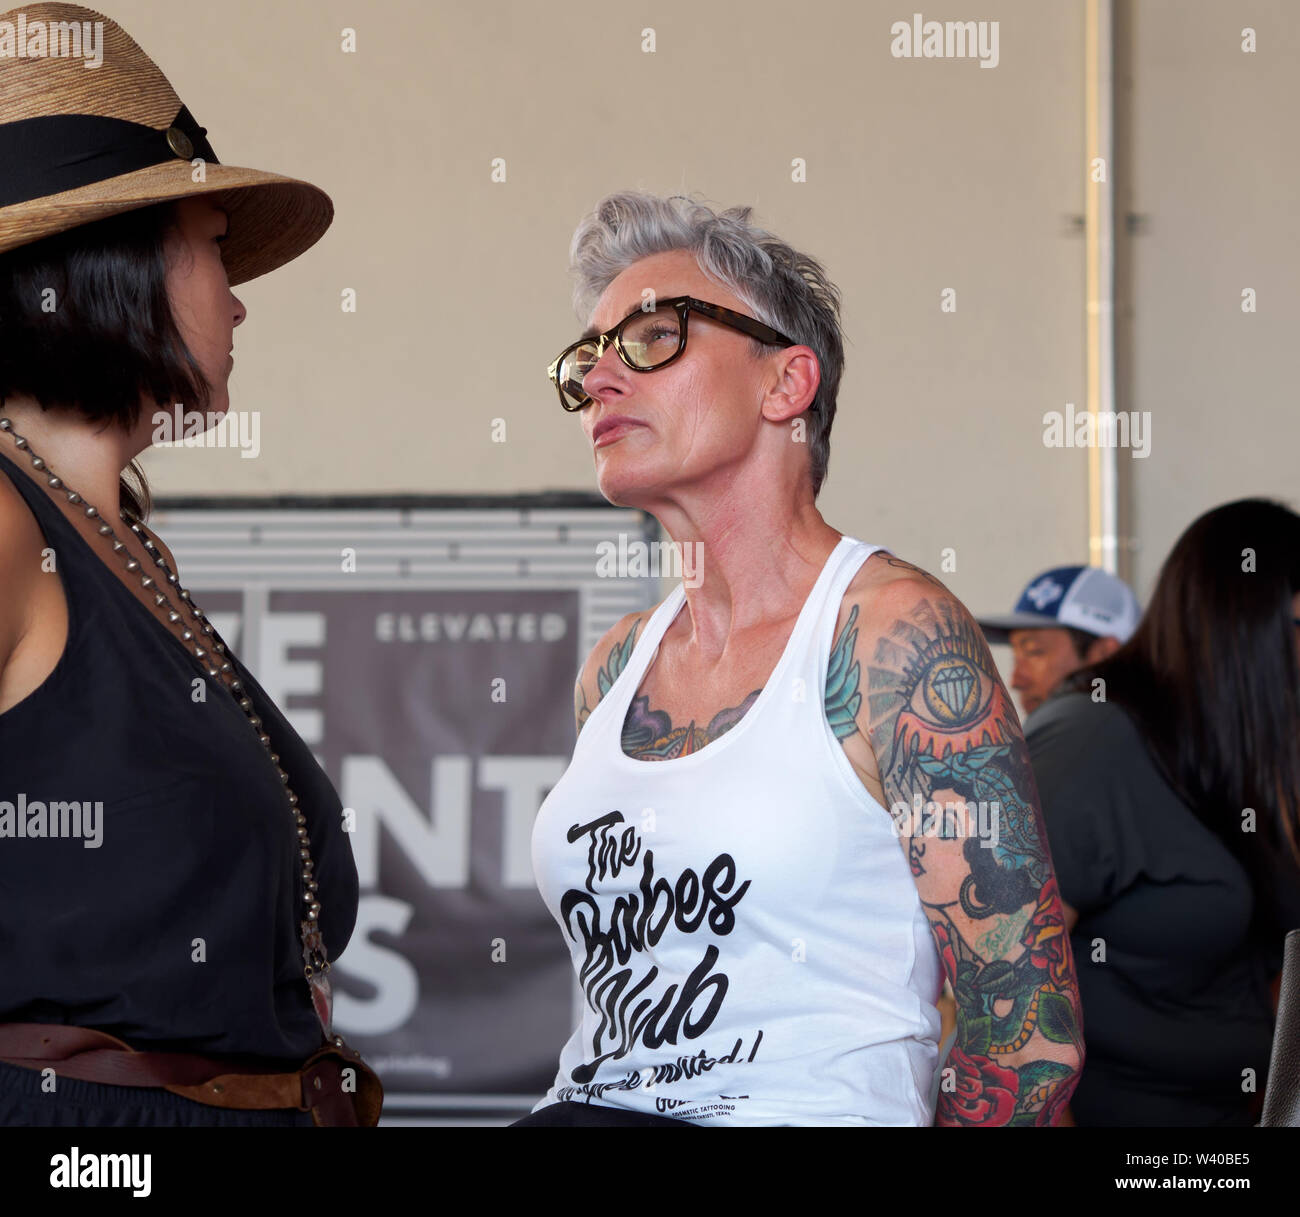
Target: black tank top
[(197, 839)]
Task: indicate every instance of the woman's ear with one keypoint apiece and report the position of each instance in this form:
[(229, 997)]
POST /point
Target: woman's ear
[(799, 377)]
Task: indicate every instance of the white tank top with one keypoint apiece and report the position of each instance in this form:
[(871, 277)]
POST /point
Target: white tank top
[(744, 925)]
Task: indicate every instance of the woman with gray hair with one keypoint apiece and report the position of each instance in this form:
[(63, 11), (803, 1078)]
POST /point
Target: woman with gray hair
[(723, 852)]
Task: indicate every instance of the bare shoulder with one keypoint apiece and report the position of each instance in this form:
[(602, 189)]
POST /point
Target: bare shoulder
[(21, 547), (20, 529), (885, 572), (607, 659), (908, 622), (885, 592), (896, 620), (892, 598)]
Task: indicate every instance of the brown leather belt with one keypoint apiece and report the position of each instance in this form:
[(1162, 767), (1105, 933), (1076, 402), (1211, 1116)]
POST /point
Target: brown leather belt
[(95, 1056)]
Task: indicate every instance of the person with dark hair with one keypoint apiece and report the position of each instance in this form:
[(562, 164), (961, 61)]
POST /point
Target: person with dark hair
[(1170, 784), (173, 868), (799, 798), (1066, 618)]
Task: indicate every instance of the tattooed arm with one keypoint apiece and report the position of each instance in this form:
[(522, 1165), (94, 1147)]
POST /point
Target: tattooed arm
[(954, 772)]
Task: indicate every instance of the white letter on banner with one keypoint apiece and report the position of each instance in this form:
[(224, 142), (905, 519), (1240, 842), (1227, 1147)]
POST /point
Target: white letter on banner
[(437, 845), (396, 982), (524, 782), (283, 677)]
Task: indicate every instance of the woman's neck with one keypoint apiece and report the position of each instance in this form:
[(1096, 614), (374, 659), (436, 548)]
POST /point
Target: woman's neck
[(754, 554), (88, 457)]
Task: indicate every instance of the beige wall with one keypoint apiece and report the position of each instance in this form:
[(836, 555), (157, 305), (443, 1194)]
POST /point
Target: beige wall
[(1215, 176), (922, 175)]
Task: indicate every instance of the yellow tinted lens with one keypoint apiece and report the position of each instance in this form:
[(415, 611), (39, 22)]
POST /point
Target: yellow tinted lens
[(650, 339)]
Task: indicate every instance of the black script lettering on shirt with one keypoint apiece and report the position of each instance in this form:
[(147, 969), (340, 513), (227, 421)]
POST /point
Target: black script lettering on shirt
[(637, 920), (606, 856)]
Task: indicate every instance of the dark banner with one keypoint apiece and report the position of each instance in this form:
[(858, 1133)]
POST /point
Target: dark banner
[(431, 672)]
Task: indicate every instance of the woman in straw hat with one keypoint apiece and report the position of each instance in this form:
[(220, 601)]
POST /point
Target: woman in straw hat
[(173, 872)]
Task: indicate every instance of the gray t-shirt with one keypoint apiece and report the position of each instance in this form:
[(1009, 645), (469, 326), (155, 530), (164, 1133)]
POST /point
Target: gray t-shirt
[(1173, 981)]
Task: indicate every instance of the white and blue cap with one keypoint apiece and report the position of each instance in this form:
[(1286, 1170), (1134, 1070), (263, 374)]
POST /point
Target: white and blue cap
[(1070, 597)]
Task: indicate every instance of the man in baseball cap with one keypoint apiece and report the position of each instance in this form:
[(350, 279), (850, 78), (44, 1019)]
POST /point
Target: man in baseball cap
[(1066, 618)]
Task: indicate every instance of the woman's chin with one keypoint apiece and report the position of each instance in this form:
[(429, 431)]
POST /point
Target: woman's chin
[(622, 488)]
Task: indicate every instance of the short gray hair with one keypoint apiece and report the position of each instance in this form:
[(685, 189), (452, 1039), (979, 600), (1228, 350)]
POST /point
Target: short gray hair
[(783, 288)]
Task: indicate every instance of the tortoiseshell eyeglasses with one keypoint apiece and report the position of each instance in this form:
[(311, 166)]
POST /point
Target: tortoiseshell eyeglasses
[(646, 341)]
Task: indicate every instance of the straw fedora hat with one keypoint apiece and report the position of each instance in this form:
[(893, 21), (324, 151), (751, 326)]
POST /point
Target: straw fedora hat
[(80, 142)]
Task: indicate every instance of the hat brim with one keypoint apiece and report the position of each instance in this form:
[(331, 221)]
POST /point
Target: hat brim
[(997, 629), (273, 218)]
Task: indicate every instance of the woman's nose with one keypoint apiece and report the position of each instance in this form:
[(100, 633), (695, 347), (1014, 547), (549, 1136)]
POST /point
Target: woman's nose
[(240, 311), (603, 375)]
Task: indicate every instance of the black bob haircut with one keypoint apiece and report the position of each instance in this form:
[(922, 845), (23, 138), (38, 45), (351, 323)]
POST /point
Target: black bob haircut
[(86, 325)]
